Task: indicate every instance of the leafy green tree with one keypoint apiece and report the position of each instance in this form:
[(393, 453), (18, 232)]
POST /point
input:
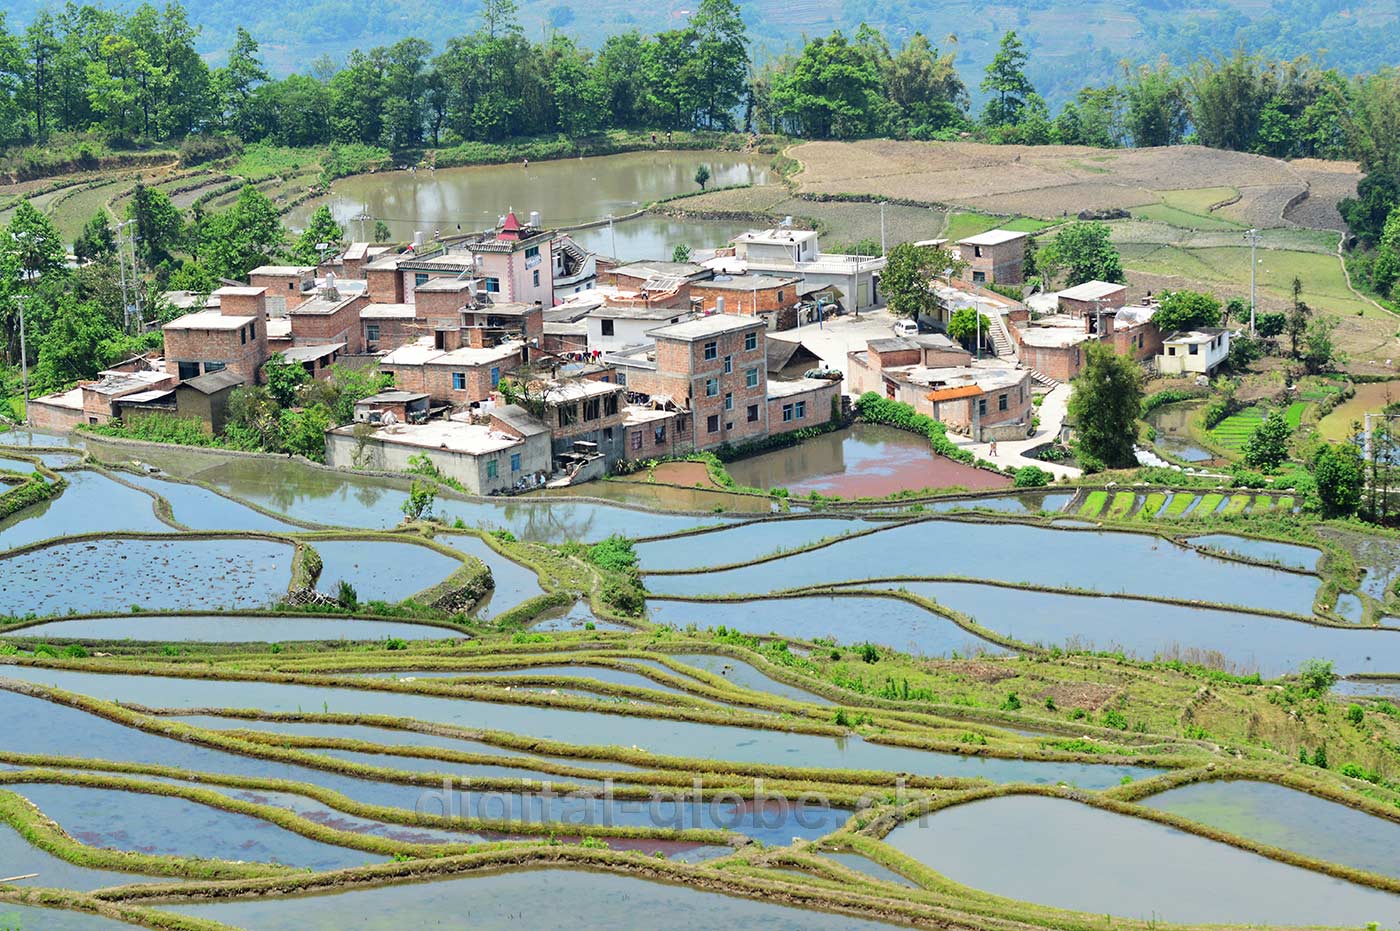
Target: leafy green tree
[(96, 241), (717, 69), (927, 93), (382, 233), (284, 379), (1228, 97), (1386, 269), (1185, 310), (1377, 196), (681, 253), (160, 229), (234, 84), (1157, 111), (1006, 81), (909, 276), (1267, 447), (1081, 251), (321, 229), (832, 90), (702, 176), (248, 234), (1104, 405), (966, 324), (1338, 472), (1319, 349), (304, 432), (1270, 324), (1296, 320), (419, 504)]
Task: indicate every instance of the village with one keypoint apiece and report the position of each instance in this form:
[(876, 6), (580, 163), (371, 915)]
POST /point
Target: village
[(517, 359)]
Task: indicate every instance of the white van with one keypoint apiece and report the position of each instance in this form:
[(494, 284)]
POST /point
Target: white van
[(906, 328)]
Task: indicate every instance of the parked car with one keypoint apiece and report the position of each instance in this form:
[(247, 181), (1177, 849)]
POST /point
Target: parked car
[(906, 328)]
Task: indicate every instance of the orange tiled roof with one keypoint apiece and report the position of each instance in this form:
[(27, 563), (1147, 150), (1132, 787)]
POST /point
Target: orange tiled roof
[(952, 394)]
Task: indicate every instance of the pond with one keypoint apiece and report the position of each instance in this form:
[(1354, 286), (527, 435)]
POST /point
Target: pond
[(113, 574), (540, 900), (1283, 554), (379, 570), (567, 192), (212, 628), (1101, 561), (1172, 423), (849, 620), (1289, 819), (861, 461), (201, 509), (1232, 640), (136, 821), (654, 735), (1072, 856), (91, 502), (745, 542), (655, 236), (639, 491), (514, 583)]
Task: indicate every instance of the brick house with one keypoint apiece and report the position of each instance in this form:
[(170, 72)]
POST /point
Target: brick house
[(459, 377), (1089, 298), (994, 257), (865, 368), (587, 411), (233, 337), (329, 317), (772, 297), (387, 326), (287, 285), (97, 401)]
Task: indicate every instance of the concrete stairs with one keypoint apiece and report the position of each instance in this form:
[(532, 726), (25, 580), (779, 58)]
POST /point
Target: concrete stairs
[(1044, 381), (1002, 343)]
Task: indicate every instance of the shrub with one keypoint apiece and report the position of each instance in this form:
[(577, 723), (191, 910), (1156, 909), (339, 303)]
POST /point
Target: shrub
[(615, 554), (1012, 703), (868, 653), (1114, 718), (1355, 714), (348, 598), (419, 504), (1032, 477), (1317, 675)]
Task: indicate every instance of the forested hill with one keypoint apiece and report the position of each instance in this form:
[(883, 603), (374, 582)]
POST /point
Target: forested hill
[(1072, 43)]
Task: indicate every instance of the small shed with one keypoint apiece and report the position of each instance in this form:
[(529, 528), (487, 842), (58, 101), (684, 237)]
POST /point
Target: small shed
[(205, 397), (405, 406)]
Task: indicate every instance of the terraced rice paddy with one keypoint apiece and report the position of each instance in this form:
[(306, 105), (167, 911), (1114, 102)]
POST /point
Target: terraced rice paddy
[(744, 752)]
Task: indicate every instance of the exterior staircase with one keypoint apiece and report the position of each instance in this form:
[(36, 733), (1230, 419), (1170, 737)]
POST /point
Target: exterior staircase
[(1044, 381), (1002, 343)]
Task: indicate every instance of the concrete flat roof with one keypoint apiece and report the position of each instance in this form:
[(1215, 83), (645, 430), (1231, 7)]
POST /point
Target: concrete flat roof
[(311, 353), (704, 327), (451, 435), (986, 377), (387, 312), (279, 328), (788, 388), (746, 282), (241, 290), (776, 236), (447, 284), (1203, 335), (992, 238), (1053, 337), (321, 306), (208, 320), (470, 356), (634, 312), (282, 270), (582, 388), (392, 397), (1092, 291)]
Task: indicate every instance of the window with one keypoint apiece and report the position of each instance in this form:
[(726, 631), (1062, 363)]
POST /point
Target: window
[(243, 335), (729, 402), (536, 277), (495, 375), (712, 423), (515, 462), (213, 367), (459, 381), (253, 330), (750, 341), (372, 332), (592, 408), (1171, 350), (801, 409), (711, 350), (1195, 349), (607, 434), (753, 413), (568, 414), (787, 413), (532, 252), (659, 434), (711, 387), (622, 378), (188, 370), (979, 277), (636, 439), (780, 296), (981, 407), (420, 278), (610, 405), (977, 251), (491, 468), (1002, 403), (493, 285), (751, 378), (728, 364), (608, 329)]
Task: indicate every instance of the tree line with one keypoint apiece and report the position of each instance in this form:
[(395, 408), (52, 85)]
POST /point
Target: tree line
[(136, 77)]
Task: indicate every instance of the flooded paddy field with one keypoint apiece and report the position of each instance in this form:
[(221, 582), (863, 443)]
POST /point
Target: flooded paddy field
[(91, 502), (230, 629), (1072, 856), (380, 570), (25, 917), (514, 583), (745, 542)]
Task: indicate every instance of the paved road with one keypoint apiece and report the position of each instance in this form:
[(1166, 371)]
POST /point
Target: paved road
[(1009, 452)]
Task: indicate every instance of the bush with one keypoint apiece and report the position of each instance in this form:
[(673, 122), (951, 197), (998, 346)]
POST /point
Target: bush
[(615, 554), (196, 150), (1317, 675), (1032, 477)]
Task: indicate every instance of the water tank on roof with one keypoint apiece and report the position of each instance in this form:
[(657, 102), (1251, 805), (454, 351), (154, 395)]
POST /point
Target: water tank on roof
[(719, 305), (417, 240), (535, 219)]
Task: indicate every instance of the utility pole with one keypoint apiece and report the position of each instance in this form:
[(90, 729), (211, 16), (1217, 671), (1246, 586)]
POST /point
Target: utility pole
[(1253, 237), (612, 231), (121, 264), (882, 227), (24, 357)]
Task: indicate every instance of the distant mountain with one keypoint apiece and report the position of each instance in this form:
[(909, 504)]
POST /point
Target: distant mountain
[(1071, 42)]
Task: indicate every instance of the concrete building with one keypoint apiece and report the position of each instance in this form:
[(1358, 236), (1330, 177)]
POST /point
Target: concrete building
[(1089, 298), (487, 458), (234, 337), (1053, 345), (1194, 352), (287, 285), (772, 297), (396, 406), (614, 325), (457, 377), (588, 412), (797, 254), (994, 257)]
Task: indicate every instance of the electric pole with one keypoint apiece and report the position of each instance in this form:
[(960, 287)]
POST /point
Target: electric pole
[(882, 227), (1253, 237)]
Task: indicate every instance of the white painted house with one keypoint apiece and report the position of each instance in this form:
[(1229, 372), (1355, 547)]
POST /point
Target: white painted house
[(1194, 352)]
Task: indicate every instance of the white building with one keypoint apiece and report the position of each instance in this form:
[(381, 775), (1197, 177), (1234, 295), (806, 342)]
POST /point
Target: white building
[(1194, 352), (796, 253), (614, 326)]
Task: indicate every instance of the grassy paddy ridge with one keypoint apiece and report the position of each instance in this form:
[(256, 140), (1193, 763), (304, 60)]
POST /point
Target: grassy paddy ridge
[(331, 741)]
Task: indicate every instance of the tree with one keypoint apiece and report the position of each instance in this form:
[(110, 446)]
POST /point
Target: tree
[(832, 90), (1157, 111), (248, 234), (681, 253), (1270, 324), (1296, 322), (321, 230), (96, 241), (1081, 251), (717, 68), (1267, 447), (1007, 82), (234, 84), (1318, 347), (702, 176), (1317, 675), (382, 233), (284, 379), (1377, 196), (419, 504), (1386, 269), (1186, 310), (967, 324), (1104, 405), (908, 278), (926, 92), (1338, 473), (160, 229)]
